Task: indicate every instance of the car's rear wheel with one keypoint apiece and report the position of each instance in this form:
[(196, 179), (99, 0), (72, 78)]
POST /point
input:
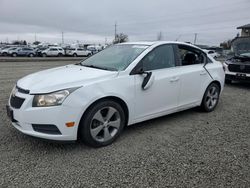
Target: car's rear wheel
[(75, 55), (60, 55), (31, 55), (102, 123), (211, 97), (44, 55), (14, 54)]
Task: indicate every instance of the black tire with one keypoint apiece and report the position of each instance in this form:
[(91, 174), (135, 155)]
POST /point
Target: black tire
[(60, 55), (31, 55), (4, 54), (75, 55), (89, 54), (205, 101), (44, 55), (227, 81), (87, 123), (14, 55)]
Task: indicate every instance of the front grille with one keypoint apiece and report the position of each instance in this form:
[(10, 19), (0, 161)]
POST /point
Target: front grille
[(21, 90), (16, 102), (46, 129), (242, 68)]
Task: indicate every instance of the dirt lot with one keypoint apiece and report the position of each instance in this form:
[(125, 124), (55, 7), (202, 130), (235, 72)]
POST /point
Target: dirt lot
[(186, 149)]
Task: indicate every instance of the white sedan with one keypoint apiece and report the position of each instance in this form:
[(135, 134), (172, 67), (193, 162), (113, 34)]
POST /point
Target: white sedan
[(212, 53), (78, 52), (121, 85)]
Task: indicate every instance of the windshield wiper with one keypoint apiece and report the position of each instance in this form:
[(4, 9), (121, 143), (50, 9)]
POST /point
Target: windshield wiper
[(98, 67)]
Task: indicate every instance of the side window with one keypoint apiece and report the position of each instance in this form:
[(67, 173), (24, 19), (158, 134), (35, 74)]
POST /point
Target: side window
[(190, 56), (159, 58)]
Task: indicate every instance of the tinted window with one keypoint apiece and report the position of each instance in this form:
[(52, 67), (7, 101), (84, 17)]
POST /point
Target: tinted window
[(159, 58), (191, 56)]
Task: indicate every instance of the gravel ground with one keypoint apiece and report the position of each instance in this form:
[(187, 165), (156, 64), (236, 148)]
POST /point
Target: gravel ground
[(186, 149)]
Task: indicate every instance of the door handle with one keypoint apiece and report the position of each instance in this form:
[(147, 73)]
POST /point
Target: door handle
[(203, 73), (175, 79)]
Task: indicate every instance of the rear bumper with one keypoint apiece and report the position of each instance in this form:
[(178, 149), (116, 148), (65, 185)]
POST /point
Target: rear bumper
[(235, 77)]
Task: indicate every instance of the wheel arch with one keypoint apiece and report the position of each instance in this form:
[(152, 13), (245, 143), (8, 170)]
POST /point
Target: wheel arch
[(216, 82), (112, 98)]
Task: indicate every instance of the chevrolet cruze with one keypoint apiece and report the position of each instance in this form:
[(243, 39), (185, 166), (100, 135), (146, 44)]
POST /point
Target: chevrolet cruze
[(121, 85)]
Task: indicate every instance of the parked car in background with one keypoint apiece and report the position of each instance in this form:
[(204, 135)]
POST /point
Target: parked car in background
[(122, 85), (53, 51), (4, 51), (40, 50), (212, 53), (23, 51), (92, 49), (11, 50), (238, 67), (77, 52)]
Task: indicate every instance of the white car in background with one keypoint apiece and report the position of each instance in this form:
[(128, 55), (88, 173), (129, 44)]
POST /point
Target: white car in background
[(5, 51), (119, 86), (212, 53), (78, 52), (53, 51)]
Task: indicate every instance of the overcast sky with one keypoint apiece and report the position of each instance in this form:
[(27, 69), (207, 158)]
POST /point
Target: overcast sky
[(93, 20)]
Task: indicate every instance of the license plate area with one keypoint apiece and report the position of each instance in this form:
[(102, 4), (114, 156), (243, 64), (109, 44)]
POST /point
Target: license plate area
[(241, 75)]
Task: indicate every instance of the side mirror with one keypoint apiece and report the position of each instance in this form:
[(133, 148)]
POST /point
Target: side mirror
[(148, 78), (147, 81)]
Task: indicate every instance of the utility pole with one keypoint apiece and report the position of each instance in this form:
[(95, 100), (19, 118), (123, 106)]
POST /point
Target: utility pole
[(195, 38), (62, 38), (115, 30)]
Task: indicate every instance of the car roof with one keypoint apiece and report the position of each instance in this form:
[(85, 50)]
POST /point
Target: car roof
[(159, 43)]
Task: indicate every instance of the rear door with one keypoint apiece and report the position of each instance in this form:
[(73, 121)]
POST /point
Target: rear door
[(193, 76)]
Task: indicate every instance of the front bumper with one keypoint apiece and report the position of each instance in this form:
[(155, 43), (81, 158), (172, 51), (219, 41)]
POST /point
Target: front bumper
[(25, 117), (237, 76)]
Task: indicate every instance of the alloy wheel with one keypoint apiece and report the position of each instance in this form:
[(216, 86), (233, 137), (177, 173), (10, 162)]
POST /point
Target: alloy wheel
[(105, 124), (212, 97)]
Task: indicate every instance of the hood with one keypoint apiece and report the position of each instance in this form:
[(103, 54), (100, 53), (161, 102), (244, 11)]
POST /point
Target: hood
[(62, 78)]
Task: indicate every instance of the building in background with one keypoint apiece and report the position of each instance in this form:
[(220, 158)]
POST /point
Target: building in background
[(241, 43), (245, 30)]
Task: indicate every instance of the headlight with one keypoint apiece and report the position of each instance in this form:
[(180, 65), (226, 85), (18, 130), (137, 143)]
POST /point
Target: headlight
[(52, 99)]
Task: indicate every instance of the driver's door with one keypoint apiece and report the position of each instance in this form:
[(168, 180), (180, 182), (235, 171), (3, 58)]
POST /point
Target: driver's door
[(162, 96)]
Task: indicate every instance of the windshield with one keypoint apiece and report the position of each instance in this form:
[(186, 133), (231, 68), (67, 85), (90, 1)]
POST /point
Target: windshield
[(243, 49), (117, 57)]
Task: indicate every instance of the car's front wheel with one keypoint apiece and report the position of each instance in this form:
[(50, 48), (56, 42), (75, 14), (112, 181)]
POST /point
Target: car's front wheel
[(102, 123), (211, 97)]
